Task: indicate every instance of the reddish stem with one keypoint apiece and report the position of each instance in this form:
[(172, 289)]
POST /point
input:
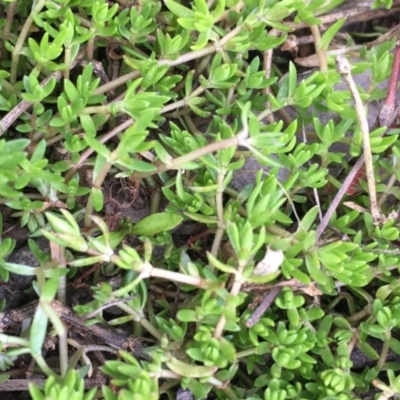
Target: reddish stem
[(388, 108)]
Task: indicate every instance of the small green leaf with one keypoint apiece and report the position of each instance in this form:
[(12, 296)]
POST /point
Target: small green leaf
[(157, 223), (19, 269), (394, 344), (187, 315), (229, 269), (38, 331), (292, 80), (190, 370), (97, 198), (201, 218), (309, 219), (314, 269), (49, 290), (329, 34), (178, 10), (368, 350), (98, 147), (61, 226)]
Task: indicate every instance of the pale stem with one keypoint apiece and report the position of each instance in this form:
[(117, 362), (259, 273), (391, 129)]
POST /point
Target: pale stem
[(180, 161), (97, 184), (95, 110), (67, 61), (178, 277), (237, 284), (40, 361), (143, 321), (90, 48), (323, 64), (344, 68)]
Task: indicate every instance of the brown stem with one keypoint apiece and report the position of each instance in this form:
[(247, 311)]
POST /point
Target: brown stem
[(339, 196), (7, 29), (264, 305)]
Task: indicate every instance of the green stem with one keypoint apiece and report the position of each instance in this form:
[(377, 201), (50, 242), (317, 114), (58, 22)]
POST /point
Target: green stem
[(62, 286), (150, 311), (90, 47), (59, 255), (13, 341), (245, 353), (21, 40), (10, 88), (237, 284), (76, 357), (184, 102), (96, 276), (228, 392), (385, 350), (63, 352), (82, 350), (96, 110), (155, 200), (323, 64), (40, 361), (67, 60), (248, 381), (167, 385), (360, 315), (276, 230), (151, 329), (349, 299), (155, 191), (143, 321), (220, 214)]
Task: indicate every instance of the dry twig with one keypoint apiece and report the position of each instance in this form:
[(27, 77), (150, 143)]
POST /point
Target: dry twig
[(344, 68), (22, 385), (264, 305)]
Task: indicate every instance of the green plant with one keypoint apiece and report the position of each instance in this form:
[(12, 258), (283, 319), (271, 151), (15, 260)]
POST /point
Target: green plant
[(107, 104)]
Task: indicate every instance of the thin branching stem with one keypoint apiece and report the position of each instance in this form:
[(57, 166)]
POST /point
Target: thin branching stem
[(323, 63), (21, 40), (385, 350)]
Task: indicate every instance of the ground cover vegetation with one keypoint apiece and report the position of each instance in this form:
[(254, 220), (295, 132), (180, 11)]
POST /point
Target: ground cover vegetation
[(133, 262)]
